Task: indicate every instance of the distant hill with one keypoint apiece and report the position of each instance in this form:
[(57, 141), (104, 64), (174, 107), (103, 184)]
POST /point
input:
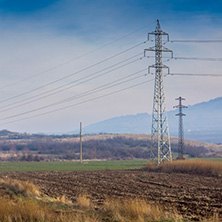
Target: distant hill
[(139, 123), (28, 147), (203, 122)]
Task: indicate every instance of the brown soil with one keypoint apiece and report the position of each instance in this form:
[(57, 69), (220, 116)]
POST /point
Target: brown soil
[(194, 196)]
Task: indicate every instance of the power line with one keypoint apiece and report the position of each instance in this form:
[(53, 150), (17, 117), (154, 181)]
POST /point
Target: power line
[(196, 41), (64, 101), (77, 57), (80, 103), (190, 58), (97, 89), (198, 58), (69, 87), (75, 73), (103, 87), (89, 92), (194, 74)]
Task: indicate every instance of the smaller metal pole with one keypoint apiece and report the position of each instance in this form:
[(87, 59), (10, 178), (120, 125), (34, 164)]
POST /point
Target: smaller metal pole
[(80, 142)]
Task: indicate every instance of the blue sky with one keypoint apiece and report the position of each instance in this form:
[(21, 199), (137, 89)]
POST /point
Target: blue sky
[(24, 6), (38, 35), (84, 16)]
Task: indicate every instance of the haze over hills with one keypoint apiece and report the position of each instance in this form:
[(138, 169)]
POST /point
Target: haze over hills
[(203, 122)]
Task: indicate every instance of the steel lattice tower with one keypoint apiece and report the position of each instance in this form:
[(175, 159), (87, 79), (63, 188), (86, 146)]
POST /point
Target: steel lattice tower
[(180, 129), (160, 130)]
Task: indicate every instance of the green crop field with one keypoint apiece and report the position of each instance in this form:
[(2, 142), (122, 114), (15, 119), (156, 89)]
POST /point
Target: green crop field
[(71, 165), (75, 165)]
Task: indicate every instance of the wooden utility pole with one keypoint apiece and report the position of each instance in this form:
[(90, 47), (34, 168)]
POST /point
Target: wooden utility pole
[(80, 142)]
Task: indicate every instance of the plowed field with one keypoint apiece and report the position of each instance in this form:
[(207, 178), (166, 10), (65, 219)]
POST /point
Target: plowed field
[(194, 196)]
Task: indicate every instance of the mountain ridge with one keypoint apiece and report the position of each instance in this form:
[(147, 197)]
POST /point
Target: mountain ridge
[(203, 122)]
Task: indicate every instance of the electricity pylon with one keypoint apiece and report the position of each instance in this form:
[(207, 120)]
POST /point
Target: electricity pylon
[(180, 129), (160, 130)]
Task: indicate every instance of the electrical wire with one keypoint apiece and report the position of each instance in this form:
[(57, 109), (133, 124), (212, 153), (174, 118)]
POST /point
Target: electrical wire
[(77, 57), (196, 41), (194, 74), (198, 58), (92, 77), (190, 58), (75, 73), (78, 95), (104, 87), (67, 100), (80, 103)]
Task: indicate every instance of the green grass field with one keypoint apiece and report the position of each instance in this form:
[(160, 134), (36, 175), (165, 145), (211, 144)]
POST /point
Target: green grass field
[(75, 166), (72, 166)]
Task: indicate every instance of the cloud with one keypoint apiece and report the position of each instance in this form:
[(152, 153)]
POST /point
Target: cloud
[(37, 37)]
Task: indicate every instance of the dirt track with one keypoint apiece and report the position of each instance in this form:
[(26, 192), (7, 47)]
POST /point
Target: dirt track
[(194, 196)]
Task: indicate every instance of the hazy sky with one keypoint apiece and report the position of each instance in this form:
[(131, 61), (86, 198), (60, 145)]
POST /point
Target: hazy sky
[(43, 42)]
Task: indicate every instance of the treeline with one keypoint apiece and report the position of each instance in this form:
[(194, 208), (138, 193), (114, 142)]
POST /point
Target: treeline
[(115, 148), (5, 134)]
